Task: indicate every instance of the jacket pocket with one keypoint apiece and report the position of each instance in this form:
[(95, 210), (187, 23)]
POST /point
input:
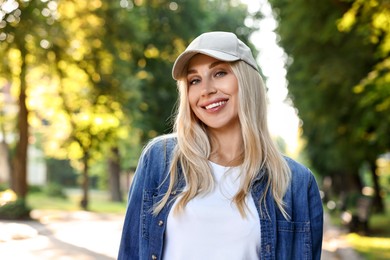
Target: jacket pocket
[(293, 240), (147, 211)]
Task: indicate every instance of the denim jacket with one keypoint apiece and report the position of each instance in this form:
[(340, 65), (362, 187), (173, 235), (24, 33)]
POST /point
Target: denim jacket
[(300, 237)]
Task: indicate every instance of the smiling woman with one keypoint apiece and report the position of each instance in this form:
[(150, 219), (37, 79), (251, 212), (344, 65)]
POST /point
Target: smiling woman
[(218, 188)]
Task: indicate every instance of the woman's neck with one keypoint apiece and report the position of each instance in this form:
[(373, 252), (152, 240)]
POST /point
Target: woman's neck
[(226, 147)]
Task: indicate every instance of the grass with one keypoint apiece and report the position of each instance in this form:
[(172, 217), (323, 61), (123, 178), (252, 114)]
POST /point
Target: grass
[(98, 202), (375, 248), (375, 245)]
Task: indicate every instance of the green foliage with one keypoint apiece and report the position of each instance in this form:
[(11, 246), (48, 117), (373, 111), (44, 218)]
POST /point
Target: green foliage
[(371, 20), (15, 210), (99, 72), (61, 172), (168, 32), (339, 81), (55, 190), (34, 188), (3, 187)]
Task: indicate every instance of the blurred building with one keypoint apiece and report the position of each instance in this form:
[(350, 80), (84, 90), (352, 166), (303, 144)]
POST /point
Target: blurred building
[(36, 169), (4, 164)]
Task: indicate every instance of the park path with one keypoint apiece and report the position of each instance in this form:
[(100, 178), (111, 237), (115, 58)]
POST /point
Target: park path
[(59, 235), (84, 235), (334, 244)]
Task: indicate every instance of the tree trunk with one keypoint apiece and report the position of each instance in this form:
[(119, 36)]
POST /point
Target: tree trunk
[(85, 183), (345, 181), (114, 175), (19, 183), (378, 205), (346, 185)]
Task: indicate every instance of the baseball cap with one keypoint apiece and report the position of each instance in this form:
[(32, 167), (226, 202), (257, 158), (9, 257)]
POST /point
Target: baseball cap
[(223, 46)]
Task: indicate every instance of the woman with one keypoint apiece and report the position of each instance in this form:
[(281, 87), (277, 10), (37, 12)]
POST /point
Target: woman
[(218, 188)]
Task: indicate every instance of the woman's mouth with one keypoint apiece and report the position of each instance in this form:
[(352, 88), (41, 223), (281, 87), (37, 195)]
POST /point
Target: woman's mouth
[(216, 104)]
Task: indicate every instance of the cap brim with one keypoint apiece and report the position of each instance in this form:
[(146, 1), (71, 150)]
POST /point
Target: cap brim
[(183, 59)]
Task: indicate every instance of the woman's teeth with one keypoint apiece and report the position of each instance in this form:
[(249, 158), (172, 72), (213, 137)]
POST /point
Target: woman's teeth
[(217, 104)]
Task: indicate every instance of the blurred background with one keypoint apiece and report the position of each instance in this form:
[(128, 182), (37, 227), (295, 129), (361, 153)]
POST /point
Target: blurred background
[(85, 84)]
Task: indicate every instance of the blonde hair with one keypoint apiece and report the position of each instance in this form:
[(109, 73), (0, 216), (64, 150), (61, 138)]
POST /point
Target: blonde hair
[(193, 146)]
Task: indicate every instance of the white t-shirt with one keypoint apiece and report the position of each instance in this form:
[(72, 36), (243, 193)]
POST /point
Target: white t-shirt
[(211, 227)]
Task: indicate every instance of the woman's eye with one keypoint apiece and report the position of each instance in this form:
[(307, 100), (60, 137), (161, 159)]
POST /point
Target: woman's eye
[(220, 74), (194, 81)]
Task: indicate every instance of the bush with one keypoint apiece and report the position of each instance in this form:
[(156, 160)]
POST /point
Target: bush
[(34, 189), (3, 187), (55, 190), (15, 210)]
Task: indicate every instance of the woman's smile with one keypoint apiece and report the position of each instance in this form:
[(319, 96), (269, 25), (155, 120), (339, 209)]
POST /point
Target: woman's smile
[(216, 105)]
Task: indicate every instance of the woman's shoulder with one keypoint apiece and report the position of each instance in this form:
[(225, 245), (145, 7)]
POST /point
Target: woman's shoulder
[(155, 158), (299, 172), (160, 144), (303, 183)]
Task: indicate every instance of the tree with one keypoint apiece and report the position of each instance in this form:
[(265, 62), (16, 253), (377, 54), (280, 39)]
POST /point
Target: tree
[(371, 20), (170, 28), (325, 74), (101, 72), (22, 26)]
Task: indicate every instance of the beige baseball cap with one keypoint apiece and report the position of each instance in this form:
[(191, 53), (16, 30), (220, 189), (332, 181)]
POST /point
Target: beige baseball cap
[(223, 46)]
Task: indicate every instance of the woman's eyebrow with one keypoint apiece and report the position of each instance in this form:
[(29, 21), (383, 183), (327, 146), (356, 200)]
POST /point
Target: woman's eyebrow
[(216, 63), (212, 65), (191, 71)]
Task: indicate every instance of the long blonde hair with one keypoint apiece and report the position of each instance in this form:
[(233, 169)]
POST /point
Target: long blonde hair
[(193, 146)]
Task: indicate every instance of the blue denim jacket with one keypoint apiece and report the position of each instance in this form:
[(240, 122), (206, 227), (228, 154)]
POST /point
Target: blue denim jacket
[(297, 238)]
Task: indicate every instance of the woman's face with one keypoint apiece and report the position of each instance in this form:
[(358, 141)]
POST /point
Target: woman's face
[(213, 92)]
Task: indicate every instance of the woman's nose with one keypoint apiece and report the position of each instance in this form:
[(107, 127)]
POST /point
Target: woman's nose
[(208, 88)]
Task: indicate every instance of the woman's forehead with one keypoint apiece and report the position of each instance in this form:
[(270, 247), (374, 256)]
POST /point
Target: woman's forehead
[(201, 59)]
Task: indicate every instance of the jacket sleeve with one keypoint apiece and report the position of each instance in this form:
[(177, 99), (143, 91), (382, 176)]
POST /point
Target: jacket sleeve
[(316, 218), (131, 233)]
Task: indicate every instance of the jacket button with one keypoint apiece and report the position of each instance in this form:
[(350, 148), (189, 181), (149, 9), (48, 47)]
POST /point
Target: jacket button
[(173, 193), (268, 248), (160, 223), (154, 257)]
